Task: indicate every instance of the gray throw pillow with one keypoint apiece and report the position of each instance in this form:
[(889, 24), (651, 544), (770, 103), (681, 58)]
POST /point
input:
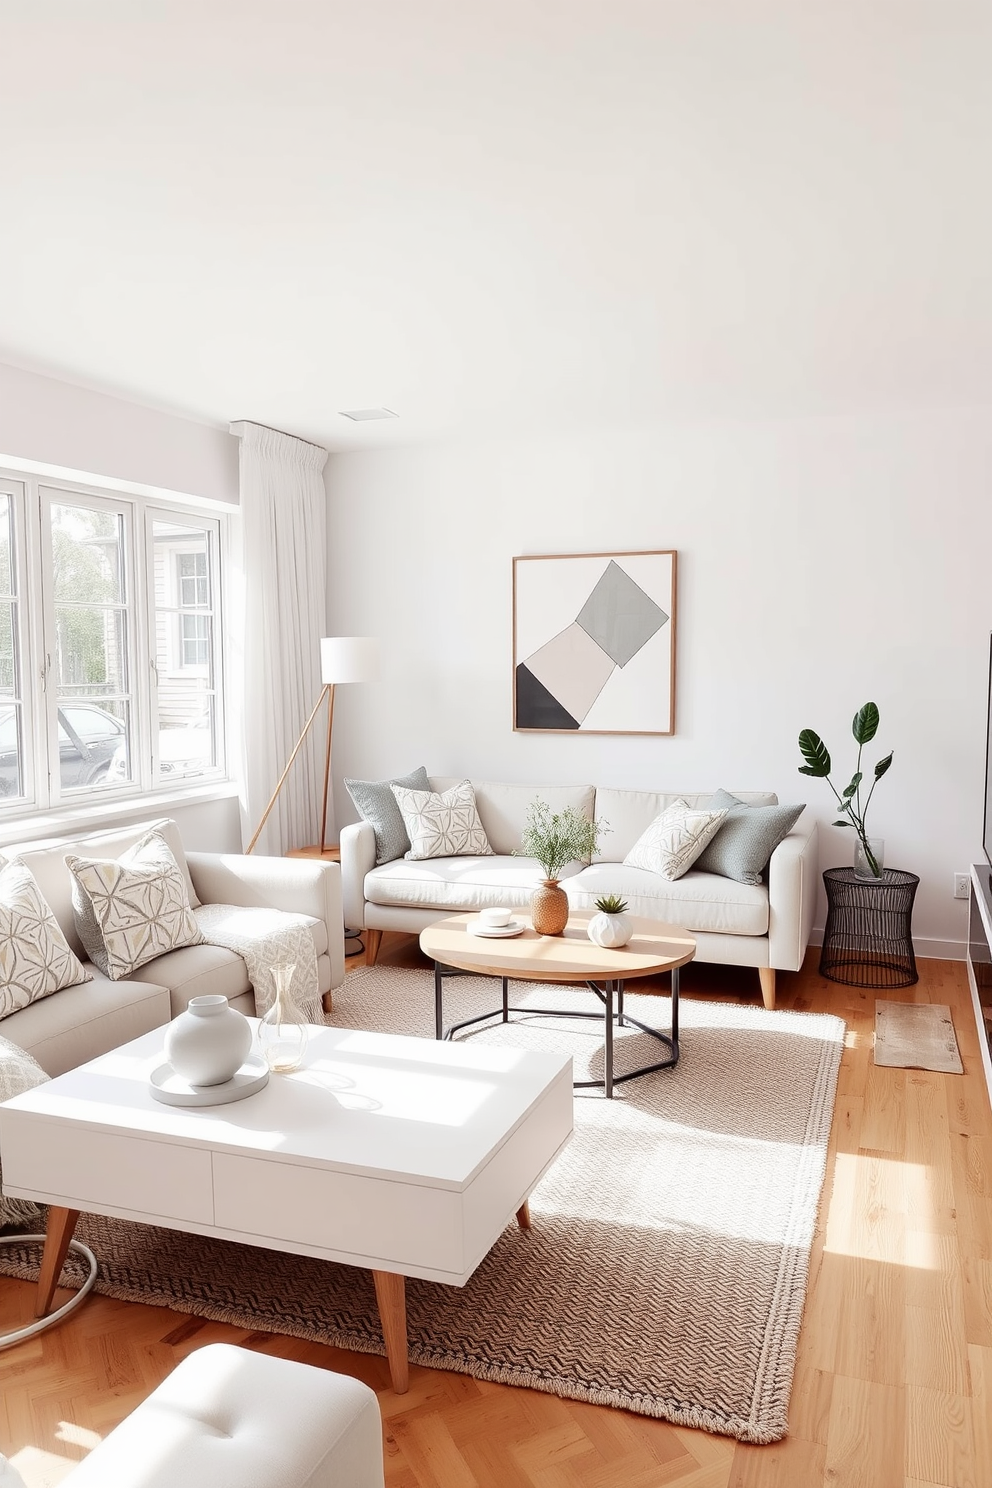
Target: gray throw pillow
[(375, 801), (746, 839)]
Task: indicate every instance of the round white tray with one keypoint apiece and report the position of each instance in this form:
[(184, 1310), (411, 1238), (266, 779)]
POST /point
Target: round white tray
[(169, 1087)]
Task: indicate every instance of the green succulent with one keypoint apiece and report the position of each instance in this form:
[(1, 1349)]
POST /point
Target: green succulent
[(611, 904)]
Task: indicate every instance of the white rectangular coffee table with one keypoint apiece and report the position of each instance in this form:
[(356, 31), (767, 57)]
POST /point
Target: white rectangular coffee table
[(398, 1154)]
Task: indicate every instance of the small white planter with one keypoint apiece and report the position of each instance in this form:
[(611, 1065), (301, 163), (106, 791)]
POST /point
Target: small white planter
[(610, 930), (208, 1043)]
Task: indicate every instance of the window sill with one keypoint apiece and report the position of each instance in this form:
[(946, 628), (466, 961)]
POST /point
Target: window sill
[(107, 811)]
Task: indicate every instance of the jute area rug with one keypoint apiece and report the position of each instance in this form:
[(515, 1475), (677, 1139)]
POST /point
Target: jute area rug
[(666, 1269), (916, 1035)]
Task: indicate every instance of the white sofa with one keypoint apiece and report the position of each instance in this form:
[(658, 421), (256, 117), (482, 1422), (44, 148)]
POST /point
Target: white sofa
[(766, 926), (80, 1022)]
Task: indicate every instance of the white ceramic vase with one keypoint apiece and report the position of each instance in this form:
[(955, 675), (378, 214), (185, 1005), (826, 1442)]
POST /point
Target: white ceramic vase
[(209, 1042), (610, 930)]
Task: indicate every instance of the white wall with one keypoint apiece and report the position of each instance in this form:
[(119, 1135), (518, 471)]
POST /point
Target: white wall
[(821, 564), (88, 433)]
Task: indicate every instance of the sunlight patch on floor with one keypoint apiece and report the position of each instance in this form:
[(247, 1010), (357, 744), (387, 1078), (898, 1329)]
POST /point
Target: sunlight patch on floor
[(42, 1469), (872, 1201), (77, 1436)]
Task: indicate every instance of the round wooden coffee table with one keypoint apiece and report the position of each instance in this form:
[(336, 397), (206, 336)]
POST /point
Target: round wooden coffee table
[(570, 957)]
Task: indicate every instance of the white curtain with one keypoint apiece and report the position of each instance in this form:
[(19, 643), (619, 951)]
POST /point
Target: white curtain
[(284, 575)]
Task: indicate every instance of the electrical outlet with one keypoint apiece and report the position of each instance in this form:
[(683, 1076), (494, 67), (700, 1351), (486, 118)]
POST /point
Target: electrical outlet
[(962, 885)]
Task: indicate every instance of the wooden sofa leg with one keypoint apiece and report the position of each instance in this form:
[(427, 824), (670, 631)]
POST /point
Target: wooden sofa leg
[(373, 939), (767, 975)]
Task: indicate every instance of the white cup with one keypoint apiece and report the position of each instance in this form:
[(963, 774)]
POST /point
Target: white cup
[(495, 918)]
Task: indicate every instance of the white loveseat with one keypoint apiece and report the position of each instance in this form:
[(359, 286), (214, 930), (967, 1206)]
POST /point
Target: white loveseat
[(78, 1023), (766, 926)]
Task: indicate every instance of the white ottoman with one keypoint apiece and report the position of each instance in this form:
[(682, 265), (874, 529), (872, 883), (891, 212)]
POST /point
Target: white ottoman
[(230, 1418)]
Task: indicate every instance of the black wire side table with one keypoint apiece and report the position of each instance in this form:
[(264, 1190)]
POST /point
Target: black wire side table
[(867, 941)]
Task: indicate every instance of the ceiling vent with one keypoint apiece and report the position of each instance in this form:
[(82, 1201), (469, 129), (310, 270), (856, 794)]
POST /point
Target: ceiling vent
[(361, 415)]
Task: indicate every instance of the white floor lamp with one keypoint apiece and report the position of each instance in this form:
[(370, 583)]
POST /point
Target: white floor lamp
[(342, 659)]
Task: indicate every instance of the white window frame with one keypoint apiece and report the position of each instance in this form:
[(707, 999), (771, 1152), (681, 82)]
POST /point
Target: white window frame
[(213, 524), (31, 497)]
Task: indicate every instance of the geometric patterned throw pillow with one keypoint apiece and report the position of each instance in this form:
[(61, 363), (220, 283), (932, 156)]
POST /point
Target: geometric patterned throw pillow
[(131, 909), (443, 824), (35, 957), (674, 840)]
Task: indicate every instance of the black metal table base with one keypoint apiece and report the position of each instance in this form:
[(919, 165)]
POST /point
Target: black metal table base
[(610, 994)]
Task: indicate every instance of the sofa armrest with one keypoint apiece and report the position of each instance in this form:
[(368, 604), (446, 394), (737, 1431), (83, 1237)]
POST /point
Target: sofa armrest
[(296, 885), (793, 882), (357, 859)]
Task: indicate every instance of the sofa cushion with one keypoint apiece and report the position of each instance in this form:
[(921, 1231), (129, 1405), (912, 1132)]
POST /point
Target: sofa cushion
[(453, 884), (442, 825), (47, 863), (630, 812), (132, 909), (18, 1072), (674, 840), (35, 958), (86, 1020), (696, 902), (503, 808), (746, 839), (376, 803)]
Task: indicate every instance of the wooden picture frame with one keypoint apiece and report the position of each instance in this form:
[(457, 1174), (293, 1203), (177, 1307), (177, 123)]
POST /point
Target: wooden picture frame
[(594, 642)]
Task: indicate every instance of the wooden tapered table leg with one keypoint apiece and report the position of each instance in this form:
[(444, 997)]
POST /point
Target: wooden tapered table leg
[(61, 1223), (390, 1293), (523, 1215)]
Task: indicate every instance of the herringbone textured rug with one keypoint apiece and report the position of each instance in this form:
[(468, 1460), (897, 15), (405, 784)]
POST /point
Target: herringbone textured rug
[(666, 1270)]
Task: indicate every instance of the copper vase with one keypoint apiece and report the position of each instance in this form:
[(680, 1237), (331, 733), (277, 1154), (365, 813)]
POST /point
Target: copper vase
[(549, 908)]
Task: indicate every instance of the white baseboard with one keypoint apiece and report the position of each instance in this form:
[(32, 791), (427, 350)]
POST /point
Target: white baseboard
[(937, 950)]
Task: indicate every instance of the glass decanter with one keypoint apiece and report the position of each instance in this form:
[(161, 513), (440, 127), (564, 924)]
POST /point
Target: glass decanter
[(282, 1032)]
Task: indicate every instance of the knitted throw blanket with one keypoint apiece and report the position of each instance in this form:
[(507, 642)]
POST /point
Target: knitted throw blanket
[(265, 938)]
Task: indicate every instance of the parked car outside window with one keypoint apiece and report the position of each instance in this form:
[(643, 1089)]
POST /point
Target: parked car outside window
[(89, 738)]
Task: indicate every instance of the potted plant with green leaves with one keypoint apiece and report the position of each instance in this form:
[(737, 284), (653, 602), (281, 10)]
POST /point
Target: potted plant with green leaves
[(611, 927), (868, 855), (556, 839)]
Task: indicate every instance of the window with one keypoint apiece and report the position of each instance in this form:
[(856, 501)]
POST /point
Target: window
[(109, 644)]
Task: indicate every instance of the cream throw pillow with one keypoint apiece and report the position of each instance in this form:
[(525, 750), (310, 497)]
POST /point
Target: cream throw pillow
[(35, 957), (674, 840), (443, 825), (132, 909)]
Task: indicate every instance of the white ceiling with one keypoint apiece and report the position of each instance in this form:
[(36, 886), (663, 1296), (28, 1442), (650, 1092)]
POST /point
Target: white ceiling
[(495, 215)]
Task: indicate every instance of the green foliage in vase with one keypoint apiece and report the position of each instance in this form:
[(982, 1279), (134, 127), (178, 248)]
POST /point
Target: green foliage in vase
[(558, 838), (611, 904), (817, 758)]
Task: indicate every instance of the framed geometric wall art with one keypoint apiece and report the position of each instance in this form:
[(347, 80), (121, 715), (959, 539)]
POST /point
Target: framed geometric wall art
[(594, 643)]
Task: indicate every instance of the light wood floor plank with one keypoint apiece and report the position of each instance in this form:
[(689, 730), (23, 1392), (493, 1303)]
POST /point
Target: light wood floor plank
[(894, 1374)]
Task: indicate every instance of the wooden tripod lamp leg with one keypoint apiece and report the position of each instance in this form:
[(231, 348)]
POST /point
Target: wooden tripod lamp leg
[(289, 765), (329, 689)]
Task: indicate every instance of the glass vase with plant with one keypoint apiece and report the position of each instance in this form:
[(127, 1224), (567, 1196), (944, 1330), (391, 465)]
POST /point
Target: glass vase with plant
[(555, 839), (817, 758)]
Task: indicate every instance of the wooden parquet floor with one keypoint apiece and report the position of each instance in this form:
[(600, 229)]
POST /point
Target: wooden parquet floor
[(893, 1385)]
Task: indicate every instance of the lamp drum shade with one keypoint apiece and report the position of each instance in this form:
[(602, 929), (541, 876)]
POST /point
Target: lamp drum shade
[(348, 659)]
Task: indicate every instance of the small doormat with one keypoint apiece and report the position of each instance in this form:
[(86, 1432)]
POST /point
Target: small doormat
[(916, 1035)]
